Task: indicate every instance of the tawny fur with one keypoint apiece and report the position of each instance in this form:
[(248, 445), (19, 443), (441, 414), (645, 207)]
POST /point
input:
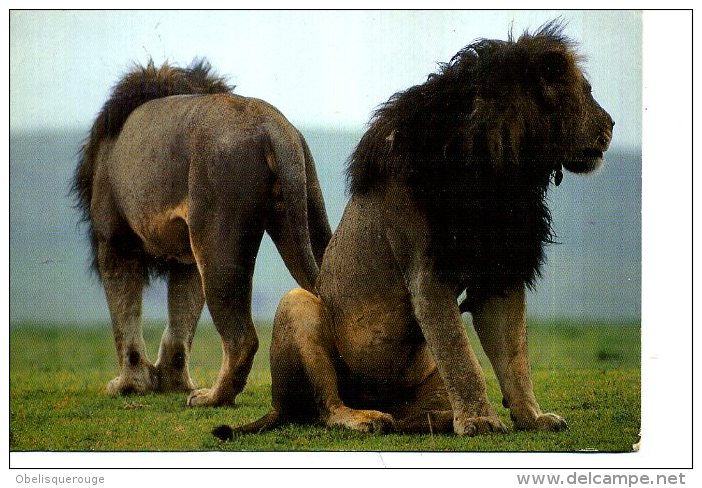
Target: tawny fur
[(448, 190), (179, 178)]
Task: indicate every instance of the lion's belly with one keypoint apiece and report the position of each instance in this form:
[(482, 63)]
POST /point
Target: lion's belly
[(382, 346), (165, 234)]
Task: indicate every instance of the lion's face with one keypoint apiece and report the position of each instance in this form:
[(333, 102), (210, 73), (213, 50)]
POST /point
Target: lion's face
[(534, 109), (584, 128), (592, 134)]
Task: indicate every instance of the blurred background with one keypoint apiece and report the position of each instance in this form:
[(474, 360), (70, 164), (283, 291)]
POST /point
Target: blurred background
[(326, 71)]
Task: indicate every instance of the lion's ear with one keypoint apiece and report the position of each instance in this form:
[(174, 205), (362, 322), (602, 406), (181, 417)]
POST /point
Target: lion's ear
[(553, 66)]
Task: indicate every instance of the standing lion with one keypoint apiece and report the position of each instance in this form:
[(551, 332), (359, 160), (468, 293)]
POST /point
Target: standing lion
[(179, 178), (448, 191)]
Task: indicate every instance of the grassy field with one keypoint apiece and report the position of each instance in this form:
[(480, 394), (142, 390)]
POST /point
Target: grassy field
[(588, 373)]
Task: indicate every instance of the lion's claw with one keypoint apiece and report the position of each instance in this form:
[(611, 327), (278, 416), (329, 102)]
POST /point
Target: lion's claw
[(545, 422), (206, 397), (478, 426)]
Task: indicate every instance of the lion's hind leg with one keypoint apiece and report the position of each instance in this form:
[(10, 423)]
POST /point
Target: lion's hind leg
[(185, 302), (227, 290), (429, 411), (123, 275), (303, 372), (303, 377), (226, 228)]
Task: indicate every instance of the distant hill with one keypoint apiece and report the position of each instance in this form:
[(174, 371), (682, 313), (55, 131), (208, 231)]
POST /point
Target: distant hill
[(593, 274)]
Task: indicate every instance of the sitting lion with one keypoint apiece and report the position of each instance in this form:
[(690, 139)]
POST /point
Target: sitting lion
[(447, 196)]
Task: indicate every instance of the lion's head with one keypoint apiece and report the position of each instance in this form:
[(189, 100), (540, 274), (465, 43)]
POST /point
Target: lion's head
[(478, 144), (531, 103), (521, 103)]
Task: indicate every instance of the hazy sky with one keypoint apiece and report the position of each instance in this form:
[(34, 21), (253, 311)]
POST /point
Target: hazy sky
[(321, 68)]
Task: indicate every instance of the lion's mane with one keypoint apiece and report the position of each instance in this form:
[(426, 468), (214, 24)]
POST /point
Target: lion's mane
[(477, 152)]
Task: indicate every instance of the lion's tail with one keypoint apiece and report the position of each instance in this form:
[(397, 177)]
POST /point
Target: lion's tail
[(320, 230), (270, 420), (299, 228), (135, 88)]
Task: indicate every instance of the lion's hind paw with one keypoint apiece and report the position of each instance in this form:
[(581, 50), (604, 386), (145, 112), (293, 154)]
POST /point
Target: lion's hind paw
[(208, 397), (545, 422), (140, 382), (370, 421)]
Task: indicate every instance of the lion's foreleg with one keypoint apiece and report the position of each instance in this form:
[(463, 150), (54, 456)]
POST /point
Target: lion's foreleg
[(185, 302), (123, 277), (501, 326), (438, 316)]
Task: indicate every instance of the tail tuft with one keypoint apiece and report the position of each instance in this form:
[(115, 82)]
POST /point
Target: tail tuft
[(223, 433), (268, 421)]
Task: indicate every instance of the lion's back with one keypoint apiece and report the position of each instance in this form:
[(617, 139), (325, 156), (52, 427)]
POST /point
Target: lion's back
[(203, 115), (169, 144)]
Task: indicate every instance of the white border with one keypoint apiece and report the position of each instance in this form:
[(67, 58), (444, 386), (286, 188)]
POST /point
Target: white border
[(667, 307)]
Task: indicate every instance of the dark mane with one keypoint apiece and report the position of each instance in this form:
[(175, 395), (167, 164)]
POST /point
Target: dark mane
[(138, 86), (478, 160)]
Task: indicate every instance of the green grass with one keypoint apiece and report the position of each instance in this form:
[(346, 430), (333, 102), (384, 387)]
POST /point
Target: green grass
[(590, 374)]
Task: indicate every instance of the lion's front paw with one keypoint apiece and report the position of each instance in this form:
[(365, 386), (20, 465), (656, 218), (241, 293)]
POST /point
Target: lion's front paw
[(546, 422), (550, 422), (471, 426), (208, 397), (371, 421)]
